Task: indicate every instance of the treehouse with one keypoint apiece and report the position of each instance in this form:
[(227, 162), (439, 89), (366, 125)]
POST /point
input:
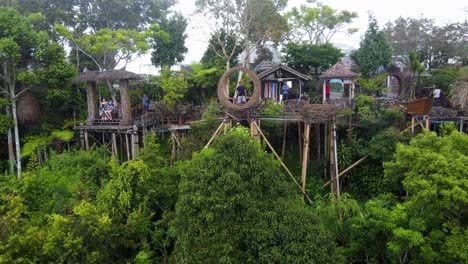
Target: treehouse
[(338, 84), (120, 120)]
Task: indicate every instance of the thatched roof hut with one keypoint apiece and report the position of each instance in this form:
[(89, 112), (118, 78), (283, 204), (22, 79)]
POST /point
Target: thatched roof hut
[(339, 71), (92, 77), (114, 75)]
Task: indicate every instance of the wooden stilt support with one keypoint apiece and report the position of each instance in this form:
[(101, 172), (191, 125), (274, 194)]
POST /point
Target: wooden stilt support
[(86, 139), (299, 125), (331, 159), (253, 130), (335, 160), (319, 132), (173, 150), (83, 146), (114, 146), (282, 164), (305, 156), (412, 123), (283, 148), (427, 122), (214, 135), (127, 147)]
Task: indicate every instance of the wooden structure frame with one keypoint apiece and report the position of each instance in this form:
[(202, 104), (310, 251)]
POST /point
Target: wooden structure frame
[(131, 127), (339, 71), (276, 76)]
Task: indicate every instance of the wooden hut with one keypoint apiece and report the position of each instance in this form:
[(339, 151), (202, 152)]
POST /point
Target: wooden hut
[(343, 77), (119, 128), (273, 78)]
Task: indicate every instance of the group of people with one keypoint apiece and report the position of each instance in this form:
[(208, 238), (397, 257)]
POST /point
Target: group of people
[(106, 108), (241, 92)]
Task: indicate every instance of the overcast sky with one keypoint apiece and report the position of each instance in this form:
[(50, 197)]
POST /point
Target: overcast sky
[(442, 11)]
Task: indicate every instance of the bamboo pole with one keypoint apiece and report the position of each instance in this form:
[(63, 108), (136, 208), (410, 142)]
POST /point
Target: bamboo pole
[(214, 135), (283, 148), (86, 139), (127, 147), (427, 122), (305, 156), (412, 123), (83, 146), (282, 164), (114, 146), (331, 159), (299, 125), (335, 157)]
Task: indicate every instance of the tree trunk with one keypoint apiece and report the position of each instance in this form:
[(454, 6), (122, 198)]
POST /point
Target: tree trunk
[(16, 130), (11, 154)]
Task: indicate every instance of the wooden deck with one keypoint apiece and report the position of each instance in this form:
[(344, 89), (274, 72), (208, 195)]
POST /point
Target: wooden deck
[(144, 120)]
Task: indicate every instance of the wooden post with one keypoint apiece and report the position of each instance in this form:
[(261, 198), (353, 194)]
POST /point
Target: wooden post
[(299, 125), (305, 156), (324, 87), (335, 160), (412, 123), (86, 139), (283, 148), (173, 149), (253, 130), (114, 146), (318, 143), (127, 147), (83, 146), (331, 159), (326, 146), (91, 98), (214, 135), (427, 122), (127, 118)]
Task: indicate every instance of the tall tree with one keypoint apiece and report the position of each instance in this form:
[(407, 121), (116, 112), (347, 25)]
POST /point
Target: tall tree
[(318, 24), (374, 51), (435, 45), (250, 22), (19, 42), (311, 58), (167, 52), (223, 50)]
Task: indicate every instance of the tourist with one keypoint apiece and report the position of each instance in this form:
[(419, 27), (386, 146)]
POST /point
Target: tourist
[(240, 91)]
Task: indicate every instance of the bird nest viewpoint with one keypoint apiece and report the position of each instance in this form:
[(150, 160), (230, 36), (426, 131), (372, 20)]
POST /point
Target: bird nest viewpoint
[(223, 95)]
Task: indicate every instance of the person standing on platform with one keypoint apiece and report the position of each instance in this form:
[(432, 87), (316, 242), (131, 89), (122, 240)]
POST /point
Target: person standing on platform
[(240, 91), (285, 91), (145, 103)]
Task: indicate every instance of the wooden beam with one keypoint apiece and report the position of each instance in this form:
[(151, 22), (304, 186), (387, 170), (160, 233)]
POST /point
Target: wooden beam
[(335, 160), (283, 148), (114, 146), (282, 164), (86, 140), (127, 147)]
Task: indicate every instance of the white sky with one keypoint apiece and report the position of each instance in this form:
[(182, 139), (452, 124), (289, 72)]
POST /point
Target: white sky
[(442, 12)]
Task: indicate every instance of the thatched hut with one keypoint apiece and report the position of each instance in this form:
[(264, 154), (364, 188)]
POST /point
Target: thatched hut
[(338, 73), (92, 77)]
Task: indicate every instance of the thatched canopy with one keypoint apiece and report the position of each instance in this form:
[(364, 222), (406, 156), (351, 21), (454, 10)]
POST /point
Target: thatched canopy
[(95, 76), (339, 71), (283, 68), (459, 93)]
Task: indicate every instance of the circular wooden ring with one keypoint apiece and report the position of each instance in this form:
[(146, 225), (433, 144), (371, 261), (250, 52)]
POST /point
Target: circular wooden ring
[(223, 95)]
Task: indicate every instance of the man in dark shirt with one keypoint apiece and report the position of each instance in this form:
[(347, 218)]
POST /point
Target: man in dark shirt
[(240, 90)]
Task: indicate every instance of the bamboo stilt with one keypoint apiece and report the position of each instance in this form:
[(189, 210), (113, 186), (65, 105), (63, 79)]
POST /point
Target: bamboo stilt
[(83, 146), (412, 123), (305, 156), (86, 140), (282, 163), (127, 147), (427, 122), (283, 148), (335, 161), (214, 134), (299, 125), (114, 146)]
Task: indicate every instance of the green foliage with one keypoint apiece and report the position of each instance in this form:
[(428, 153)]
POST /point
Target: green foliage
[(34, 142), (375, 50), (227, 213), (311, 58), (432, 170), (318, 24), (168, 50), (6, 121), (222, 48), (372, 85), (174, 89), (81, 237)]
